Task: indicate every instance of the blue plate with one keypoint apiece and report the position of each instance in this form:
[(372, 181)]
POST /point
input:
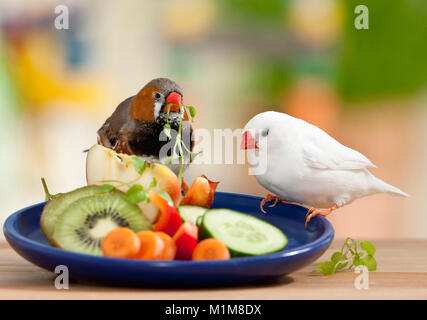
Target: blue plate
[(22, 231)]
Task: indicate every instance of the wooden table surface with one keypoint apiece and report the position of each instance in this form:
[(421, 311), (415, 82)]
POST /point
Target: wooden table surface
[(401, 274)]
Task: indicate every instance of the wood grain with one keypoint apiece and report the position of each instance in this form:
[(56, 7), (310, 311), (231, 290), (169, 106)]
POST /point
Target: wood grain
[(401, 274)]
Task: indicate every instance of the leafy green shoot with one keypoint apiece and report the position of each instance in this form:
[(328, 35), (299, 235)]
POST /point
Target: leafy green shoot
[(139, 164), (153, 183), (352, 254), (191, 112), (179, 146), (136, 194)]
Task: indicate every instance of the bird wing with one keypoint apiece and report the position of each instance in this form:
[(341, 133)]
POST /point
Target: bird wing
[(321, 151), (109, 132), (120, 116)]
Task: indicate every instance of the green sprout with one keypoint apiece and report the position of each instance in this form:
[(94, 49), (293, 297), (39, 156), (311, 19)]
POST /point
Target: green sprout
[(353, 253), (179, 146)]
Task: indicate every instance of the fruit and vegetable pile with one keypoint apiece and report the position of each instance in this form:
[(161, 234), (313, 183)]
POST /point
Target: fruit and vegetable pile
[(148, 218)]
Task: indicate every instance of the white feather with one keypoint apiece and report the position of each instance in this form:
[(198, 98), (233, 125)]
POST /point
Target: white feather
[(324, 152)]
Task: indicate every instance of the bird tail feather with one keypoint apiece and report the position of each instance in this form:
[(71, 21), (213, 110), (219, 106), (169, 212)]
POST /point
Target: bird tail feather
[(385, 187)]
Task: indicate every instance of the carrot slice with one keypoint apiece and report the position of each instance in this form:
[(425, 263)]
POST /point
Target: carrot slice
[(151, 245), (169, 250), (121, 243), (211, 249)]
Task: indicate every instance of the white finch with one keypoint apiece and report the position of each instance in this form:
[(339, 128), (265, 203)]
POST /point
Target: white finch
[(303, 164)]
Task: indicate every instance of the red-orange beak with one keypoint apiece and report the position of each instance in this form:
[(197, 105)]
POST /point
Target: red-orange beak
[(175, 99), (248, 142)]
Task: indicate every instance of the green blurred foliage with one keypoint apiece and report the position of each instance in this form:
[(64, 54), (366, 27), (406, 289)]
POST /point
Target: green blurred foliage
[(9, 98), (253, 14), (318, 64), (269, 78), (390, 58)]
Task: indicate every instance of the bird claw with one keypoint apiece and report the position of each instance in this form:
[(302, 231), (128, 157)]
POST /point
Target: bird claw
[(308, 212), (276, 199), (268, 198), (313, 212), (261, 205)]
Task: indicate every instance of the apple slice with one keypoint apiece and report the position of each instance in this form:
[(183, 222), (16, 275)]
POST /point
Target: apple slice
[(105, 164)]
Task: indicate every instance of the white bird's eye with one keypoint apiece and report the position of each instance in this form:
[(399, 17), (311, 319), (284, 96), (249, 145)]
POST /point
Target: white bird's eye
[(264, 132), (157, 95)]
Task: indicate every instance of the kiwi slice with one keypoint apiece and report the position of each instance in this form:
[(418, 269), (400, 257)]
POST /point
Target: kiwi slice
[(84, 224), (54, 208)]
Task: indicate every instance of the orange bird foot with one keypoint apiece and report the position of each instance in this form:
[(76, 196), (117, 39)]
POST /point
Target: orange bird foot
[(271, 197), (312, 212)]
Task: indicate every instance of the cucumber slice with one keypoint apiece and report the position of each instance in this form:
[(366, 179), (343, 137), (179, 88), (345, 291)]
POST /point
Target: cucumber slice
[(190, 213), (244, 235)]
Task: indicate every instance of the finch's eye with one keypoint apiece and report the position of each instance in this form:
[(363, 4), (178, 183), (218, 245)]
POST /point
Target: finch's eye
[(157, 95), (264, 132)]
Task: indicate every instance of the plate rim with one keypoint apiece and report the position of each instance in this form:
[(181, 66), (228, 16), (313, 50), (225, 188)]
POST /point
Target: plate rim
[(11, 233)]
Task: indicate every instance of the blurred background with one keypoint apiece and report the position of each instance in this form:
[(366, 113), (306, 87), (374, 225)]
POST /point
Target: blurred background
[(234, 59)]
